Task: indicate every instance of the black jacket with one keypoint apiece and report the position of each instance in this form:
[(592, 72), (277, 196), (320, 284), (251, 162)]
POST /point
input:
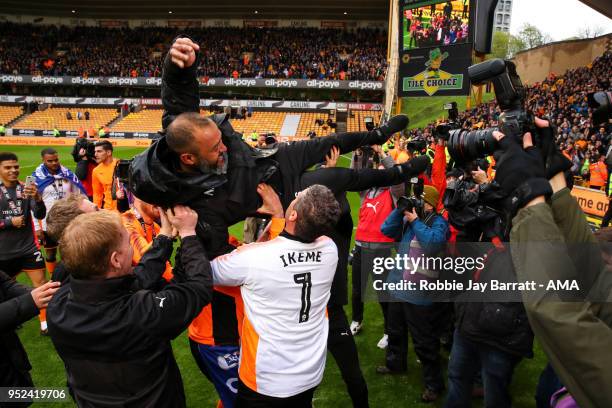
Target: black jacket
[(16, 306), (502, 325), (114, 335), (223, 200)]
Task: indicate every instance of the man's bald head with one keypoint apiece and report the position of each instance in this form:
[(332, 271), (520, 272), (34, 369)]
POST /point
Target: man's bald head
[(196, 140), (181, 134)]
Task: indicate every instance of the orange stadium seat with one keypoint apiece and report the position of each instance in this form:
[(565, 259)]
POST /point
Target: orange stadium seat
[(307, 123), (146, 120), (356, 122), (262, 122), (56, 117), (9, 113)]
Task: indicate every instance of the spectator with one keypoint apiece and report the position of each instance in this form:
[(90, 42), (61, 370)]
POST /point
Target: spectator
[(68, 115), (92, 51)]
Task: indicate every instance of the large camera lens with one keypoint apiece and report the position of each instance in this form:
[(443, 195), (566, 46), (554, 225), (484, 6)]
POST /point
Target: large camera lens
[(465, 146)]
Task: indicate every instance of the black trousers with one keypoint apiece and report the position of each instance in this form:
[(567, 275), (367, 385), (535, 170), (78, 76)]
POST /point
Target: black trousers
[(341, 345), (247, 398), (605, 221), (362, 271), (425, 324), (11, 377)]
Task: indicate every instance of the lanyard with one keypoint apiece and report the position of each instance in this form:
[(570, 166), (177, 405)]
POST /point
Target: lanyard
[(15, 207), (144, 225)]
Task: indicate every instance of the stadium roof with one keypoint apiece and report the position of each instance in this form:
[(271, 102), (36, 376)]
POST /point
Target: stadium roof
[(603, 6), (203, 9)]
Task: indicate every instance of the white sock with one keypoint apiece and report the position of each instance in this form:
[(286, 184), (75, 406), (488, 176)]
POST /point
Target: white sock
[(43, 325)]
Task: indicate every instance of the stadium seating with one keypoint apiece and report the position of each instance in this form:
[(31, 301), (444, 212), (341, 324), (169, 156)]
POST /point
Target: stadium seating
[(146, 120), (9, 113), (356, 121), (262, 122), (307, 123), (56, 117)]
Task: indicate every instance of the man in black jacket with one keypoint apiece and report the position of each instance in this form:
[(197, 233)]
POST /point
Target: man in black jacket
[(204, 163), (18, 304), (112, 326), (223, 172)]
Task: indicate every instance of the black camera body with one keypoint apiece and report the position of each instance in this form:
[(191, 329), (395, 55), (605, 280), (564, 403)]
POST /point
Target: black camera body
[(122, 171), (514, 121), (416, 145), (89, 146), (414, 201), (601, 103)]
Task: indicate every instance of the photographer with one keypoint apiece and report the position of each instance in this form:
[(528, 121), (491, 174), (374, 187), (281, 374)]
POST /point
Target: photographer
[(83, 154), (376, 204), (111, 353), (423, 234), (491, 337), (575, 333)]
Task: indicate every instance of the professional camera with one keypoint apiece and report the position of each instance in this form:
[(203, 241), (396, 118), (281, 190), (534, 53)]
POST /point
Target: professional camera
[(122, 171), (369, 123), (475, 210), (89, 146), (514, 121), (601, 103), (453, 112), (415, 200), (416, 145)]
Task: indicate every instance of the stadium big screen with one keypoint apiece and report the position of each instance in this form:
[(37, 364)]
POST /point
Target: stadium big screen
[(435, 47)]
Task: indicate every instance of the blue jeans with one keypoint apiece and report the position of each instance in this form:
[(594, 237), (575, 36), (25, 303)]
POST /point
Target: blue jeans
[(466, 359)]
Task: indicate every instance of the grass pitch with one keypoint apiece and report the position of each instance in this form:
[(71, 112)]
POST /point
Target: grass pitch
[(385, 391)]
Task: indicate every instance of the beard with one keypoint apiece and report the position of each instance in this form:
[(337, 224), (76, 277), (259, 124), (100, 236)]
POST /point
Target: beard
[(219, 169)]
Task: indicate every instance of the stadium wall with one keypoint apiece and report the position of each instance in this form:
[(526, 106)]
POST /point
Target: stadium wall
[(180, 24), (534, 65)]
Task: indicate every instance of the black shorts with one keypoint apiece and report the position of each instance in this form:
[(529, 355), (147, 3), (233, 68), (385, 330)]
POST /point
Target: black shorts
[(31, 262)]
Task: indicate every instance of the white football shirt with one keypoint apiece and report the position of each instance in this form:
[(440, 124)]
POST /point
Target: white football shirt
[(285, 286)]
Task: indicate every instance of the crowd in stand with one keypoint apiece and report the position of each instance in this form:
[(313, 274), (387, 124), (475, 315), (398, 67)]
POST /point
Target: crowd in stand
[(564, 99), (301, 53), (443, 28), (286, 322)]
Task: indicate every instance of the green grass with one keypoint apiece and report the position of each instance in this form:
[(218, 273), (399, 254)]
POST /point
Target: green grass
[(425, 109), (385, 391)]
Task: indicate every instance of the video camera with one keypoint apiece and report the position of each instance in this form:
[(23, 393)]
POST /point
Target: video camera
[(88, 145), (464, 145), (443, 130)]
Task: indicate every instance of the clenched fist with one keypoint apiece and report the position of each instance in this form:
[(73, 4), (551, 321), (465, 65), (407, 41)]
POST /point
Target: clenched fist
[(183, 52)]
